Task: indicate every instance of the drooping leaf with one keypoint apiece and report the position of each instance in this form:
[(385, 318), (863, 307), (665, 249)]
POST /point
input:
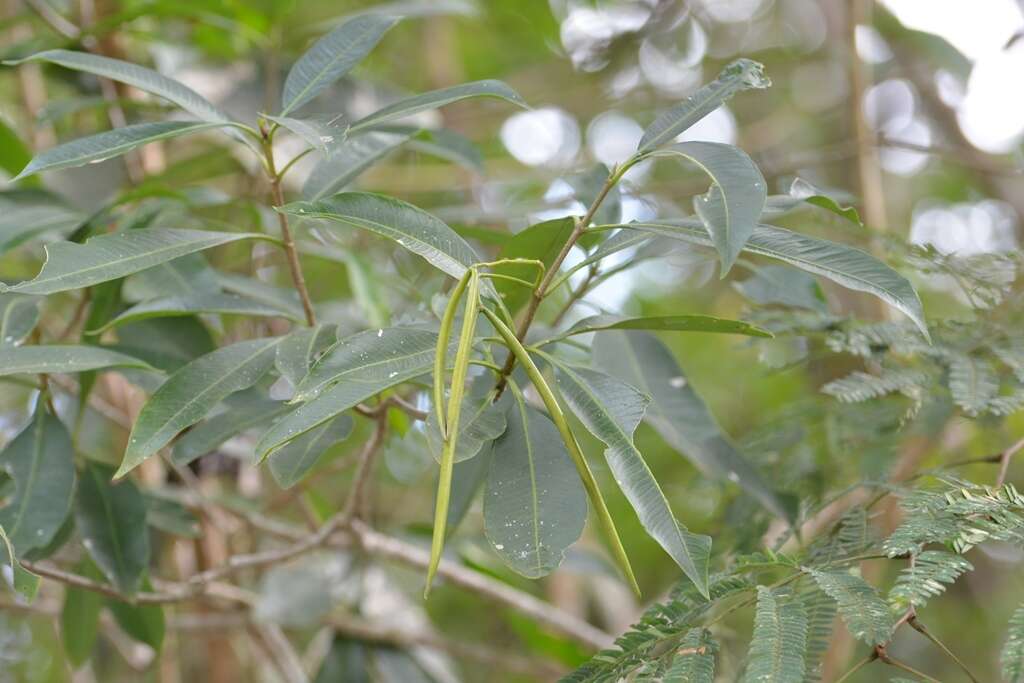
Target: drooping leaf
[(803, 193), (534, 504), (109, 144), (206, 302), (369, 356), (39, 462), (145, 623), (25, 583), (1012, 656), (732, 207), (542, 242), (678, 413), (480, 422), (865, 613), (18, 317), (191, 392), (673, 323), (251, 409), (436, 99), (318, 134), (780, 637), (111, 256), (80, 618), (611, 410), (331, 57), (740, 75), (63, 358), (348, 160), (112, 521), (290, 463), (409, 226), (165, 343), (843, 264), (137, 76)]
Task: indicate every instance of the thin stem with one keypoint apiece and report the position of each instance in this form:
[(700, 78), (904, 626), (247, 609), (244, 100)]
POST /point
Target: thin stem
[(920, 628), (1004, 461), (288, 241), (905, 667), (857, 667)]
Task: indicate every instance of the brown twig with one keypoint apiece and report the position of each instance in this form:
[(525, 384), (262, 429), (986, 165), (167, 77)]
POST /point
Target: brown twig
[(1004, 461)]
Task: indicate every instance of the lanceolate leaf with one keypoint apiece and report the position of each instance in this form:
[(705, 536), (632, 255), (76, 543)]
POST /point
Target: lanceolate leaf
[(413, 228), (79, 620), (611, 410), (866, 615), (18, 317), (250, 411), (369, 356), (109, 144), (295, 459), (435, 99), (332, 57), (112, 521), (15, 360), (136, 76), (741, 75), (480, 422), (191, 392), (677, 412), (779, 640), (673, 323), (13, 152), (108, 257), (300, 349), (534, 504), (348, 160), (25, 214), (541, 242), (844, 265), (321, 135), (26, 584), (733, 205), (39, 461), (206, 302), (144, 623)]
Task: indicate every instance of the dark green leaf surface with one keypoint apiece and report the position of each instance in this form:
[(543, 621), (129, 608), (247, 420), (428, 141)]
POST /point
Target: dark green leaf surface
[(192, 392), (206, 302), (611, 410), (250, 410), (290, 463), (18, 317), (26, 584), (677, 412), (112, 521), (672, 323), (108, 257), (39, 461), (541, 242), (534, 504), (79, 622), (349, 159), (144, 623)]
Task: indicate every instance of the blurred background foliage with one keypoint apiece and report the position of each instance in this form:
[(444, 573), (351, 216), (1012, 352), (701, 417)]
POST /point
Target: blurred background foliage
[(873, 111)]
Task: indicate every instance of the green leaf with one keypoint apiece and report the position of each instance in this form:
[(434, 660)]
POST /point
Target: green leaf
[(732, 207), (740, 75), (468, 477), (318, 134), (112, 521), (925, 578), (480, 422), (1012, 656), (542, 242), (369, 356), (290, 463), (843, 264), (332, 57), (586, 187), (171, 517), (111, 256), (144, 623), (444, 144), (136, 76), (611, 410), (774, 284), (13, 152), (63, 358), (534, 504), (109, 144), (301, 348), (409, 226), (973, 382), (79, 621), (803, 193), (251, 409), (779, 640), (24, 214), (25, 583), (672, 323), (678, 413), (18, 317), (191, 392), (348, 160), (206, 302), (39, 462), (866, 615), (438, 98), (343, 395), (695, 661)]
